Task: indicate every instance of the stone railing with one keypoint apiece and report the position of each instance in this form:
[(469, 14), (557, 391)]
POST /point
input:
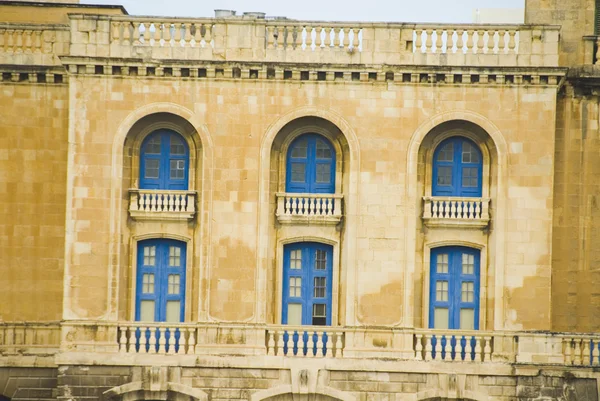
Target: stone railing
[(260, 40), (33, 44), (443, 211), (29, 338), (306, 342), (154, 204), (314, 208)]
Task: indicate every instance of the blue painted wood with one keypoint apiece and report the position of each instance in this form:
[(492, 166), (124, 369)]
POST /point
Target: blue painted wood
[(455, 278), (458, 167), (161, 271), (164, 159), (311, 163), (307, 274)]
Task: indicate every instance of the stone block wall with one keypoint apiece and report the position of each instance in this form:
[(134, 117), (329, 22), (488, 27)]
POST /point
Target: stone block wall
[(28, 383)]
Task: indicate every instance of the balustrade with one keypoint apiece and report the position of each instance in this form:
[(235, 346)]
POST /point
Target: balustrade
[(155, 338), (163, 33), (162, 204), (291, 35), (29, 337), (440, 210), (316, 207), (581, 350), (453, 346), (466, 39), (305, 342)]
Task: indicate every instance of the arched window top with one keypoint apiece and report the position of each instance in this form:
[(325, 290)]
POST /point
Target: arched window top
[(310, 165), (164, 161), (457, 168)]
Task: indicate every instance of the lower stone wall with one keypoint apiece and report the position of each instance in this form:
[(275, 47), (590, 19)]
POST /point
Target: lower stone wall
[(89, 382), (28, 384)]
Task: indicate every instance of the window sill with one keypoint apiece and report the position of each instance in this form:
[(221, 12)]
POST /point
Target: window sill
[(164, 205)]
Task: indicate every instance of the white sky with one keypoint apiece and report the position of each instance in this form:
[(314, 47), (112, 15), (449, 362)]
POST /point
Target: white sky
[(330, 10)]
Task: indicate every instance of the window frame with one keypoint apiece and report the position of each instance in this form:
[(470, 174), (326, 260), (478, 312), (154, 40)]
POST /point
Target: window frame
[(311, 161), (457, 166), (164, 182)]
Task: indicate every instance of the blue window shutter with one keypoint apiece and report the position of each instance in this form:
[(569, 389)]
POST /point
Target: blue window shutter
[(465, 175), (165, 261), (173, 152), (460, 274), (316, 282), (318, 168)]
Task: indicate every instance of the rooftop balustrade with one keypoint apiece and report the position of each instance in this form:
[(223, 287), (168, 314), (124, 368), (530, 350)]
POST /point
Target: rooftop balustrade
[(291, 41)]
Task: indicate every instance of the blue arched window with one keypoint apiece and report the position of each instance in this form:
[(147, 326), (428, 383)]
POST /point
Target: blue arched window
[(160, 281), (307, 281), (311, 165), (164, 161), (454, 288), (457, 168)]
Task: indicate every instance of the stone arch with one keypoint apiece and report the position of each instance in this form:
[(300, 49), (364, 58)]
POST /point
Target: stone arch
[(349, 145), (495, 149), (138, 391), (285, 393)]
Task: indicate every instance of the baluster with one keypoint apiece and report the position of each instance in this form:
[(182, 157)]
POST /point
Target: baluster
[(355, 39), (338, 345), (470, 47), (127, 33), (271, 343), (276, 37), (157, 33), (153, 340), (450, 41), (132, 339), (577, 352), (172, 341), (428, 40), (487, 349), (428, 347), (491, 42), (501, 42), (300, 343), (434, 209), (438, 347), (296, 37), (309, 38), (418, 41), (182, 341), (162, 340), (511, 41), (459, 348), (144, 340), (468, 348), (595, 353), (37, 42), (346, 43), (27, 44), (208, 35), (136, 33), (460, 44), (419, 347), (480, 41), (320, 31), (478, 348), (472, 206), (294, 206), (438, 41), (177, 36), (147, 202), (123, 340), (187, 34), (147, 35), (314, 207), (586, 351), (191, 341), (279, 344), (319, 351), (270, 37), (567, 352), (152, 202), (459, 210), (310, 344), (327, 41), (328, 343), (446, 348), (18, 41), (175, 202), (328, 203), (116, 31), (452, 209), (287, 205), (167, 33), (289, 343)]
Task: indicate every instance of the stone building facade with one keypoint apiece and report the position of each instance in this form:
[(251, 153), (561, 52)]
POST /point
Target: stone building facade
[(247, 208)]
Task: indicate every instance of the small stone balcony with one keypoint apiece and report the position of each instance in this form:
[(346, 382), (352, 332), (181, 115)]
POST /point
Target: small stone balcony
[(153, 204), (445, 211), (298, 208)]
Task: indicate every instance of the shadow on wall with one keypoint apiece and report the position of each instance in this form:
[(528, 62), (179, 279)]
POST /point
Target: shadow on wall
[(383, 307)]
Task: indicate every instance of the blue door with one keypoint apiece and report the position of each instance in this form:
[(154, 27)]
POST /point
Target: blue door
[(307, 280), (310, 165), (454, 288), (160, 281), (457, 168), (164, 161)]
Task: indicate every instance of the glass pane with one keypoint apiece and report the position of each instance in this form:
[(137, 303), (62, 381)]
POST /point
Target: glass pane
[(320, 287), (174, 284), (300, 148), (320, 260), (173, 311), (467, 319), (441, 291), (151, 170), (323, 173), (149, 255), (296, 259), (298, 172), (468, 264), (440, 318), (469, 177), (446, 153), (295, 314), (442, 263), (444, 175), (319, 317), (177, 147), (177, 169), (295, 287), (148, 284), (147, 311), (174, 256), (467, 292), (469, 153), (323, 151), (153, 146)]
